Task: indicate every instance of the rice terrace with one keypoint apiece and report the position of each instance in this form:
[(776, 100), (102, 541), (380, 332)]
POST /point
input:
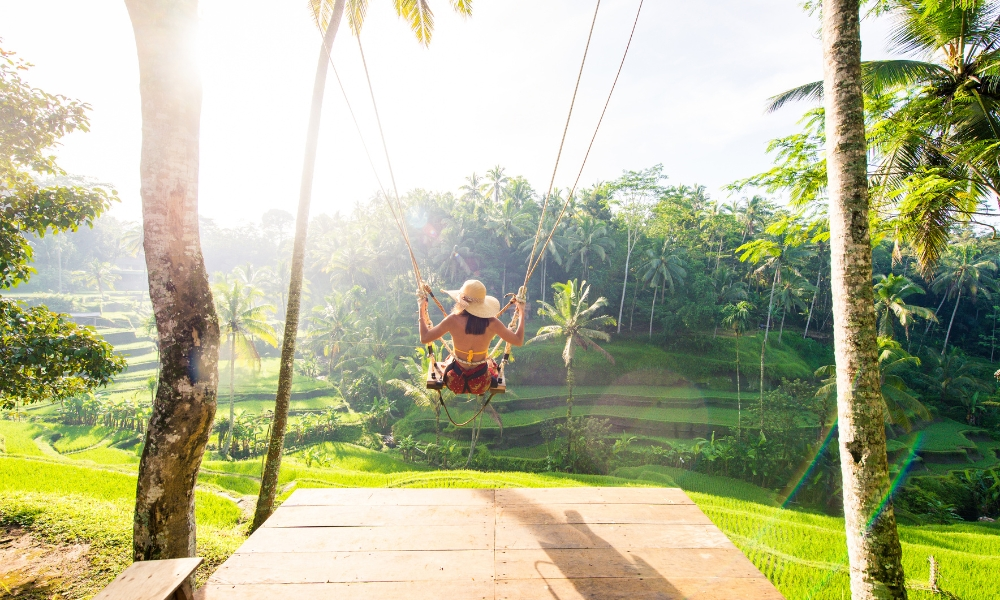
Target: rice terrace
[(426, 299)]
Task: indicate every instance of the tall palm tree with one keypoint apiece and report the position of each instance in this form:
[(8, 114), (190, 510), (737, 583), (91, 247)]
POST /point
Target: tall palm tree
[(873, 548), (664, 269), (963, 270), (737, 318), (952, 375), (750, 214), (900, 403), (473, 189), (727, 290), (779, 258), (508, 222), (520, 191), (497, 182), (632, 197), (328, 14), (891, 292), (556, 249), (331, 324), (181, 420), (242, 320), (937, 143), (791, 296), (100, 275), (574, 320), (257, 277), (588, 240), (352, 261)]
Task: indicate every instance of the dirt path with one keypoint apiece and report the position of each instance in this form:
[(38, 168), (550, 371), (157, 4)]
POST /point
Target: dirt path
[(31, 569)]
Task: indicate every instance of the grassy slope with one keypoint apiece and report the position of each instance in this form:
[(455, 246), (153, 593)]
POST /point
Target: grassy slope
[(803, 553), (73, 503), (711, 365)]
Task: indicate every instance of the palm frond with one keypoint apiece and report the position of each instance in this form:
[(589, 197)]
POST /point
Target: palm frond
[(418, 15), (462, 7), (810, 91), (356, 11)]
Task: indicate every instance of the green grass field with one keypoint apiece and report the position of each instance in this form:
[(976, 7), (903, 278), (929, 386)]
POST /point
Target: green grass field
[(651, 392), (710, 415), (801, 552), (81, 488)]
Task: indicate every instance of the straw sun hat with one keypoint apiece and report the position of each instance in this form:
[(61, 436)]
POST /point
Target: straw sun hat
[(472, 298)]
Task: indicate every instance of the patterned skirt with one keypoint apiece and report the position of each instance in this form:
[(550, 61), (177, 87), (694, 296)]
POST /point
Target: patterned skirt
[(474, 379)]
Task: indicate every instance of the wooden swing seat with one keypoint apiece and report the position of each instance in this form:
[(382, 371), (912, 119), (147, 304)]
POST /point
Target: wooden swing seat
[(435, 378)]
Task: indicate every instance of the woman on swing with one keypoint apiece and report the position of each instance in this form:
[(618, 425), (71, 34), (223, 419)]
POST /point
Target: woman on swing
[(472, 325)]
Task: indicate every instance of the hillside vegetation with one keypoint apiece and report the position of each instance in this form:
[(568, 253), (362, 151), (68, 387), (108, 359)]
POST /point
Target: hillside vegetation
[(79, 497)]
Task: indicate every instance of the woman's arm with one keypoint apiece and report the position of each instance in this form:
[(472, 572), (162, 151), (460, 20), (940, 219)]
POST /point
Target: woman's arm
[(513, 337), (428, 335)]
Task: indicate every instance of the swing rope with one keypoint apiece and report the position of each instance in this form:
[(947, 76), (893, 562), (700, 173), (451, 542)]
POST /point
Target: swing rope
[(469, 420), (537, 260), (397, 211)]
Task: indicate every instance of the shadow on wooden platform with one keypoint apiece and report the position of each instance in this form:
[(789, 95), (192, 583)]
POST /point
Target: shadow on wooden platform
[(557, 543)]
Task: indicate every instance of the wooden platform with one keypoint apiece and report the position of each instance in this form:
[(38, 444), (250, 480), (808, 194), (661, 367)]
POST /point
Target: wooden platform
[(457, 544)]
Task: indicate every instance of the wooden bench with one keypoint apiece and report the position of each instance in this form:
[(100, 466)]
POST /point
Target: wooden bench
[(153, 580)]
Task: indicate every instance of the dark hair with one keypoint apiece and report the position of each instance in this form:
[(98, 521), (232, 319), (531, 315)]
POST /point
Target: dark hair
[(475, 325)]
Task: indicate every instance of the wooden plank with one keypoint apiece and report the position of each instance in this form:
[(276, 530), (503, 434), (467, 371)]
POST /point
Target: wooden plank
[(411, 590), (344, 567), (536, 514), (600, 563), (476, 536), (379, 516), (389, 497), (516, 536), (656, 588), (588, 495), (150, 579)]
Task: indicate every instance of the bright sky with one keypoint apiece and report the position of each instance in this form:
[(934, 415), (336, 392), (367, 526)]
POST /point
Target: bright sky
[(493, 89)]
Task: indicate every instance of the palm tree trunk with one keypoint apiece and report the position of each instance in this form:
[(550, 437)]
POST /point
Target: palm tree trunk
[(812, 304), (621, 305), (232, 404), (993, 338), (651, 308), (187, 326), (874, 551), (936, 311), (781, 330), (635, 294), (739, 400), (770, 304), (763, 347), (437, 425), (269, 477), (100, 296), (569, 409), (476, 426), (545, 261), (951, 321)]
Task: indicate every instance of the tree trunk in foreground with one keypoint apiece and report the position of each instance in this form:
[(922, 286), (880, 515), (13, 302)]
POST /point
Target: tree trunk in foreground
[(872, 541), (269, 478), (187, 326)]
